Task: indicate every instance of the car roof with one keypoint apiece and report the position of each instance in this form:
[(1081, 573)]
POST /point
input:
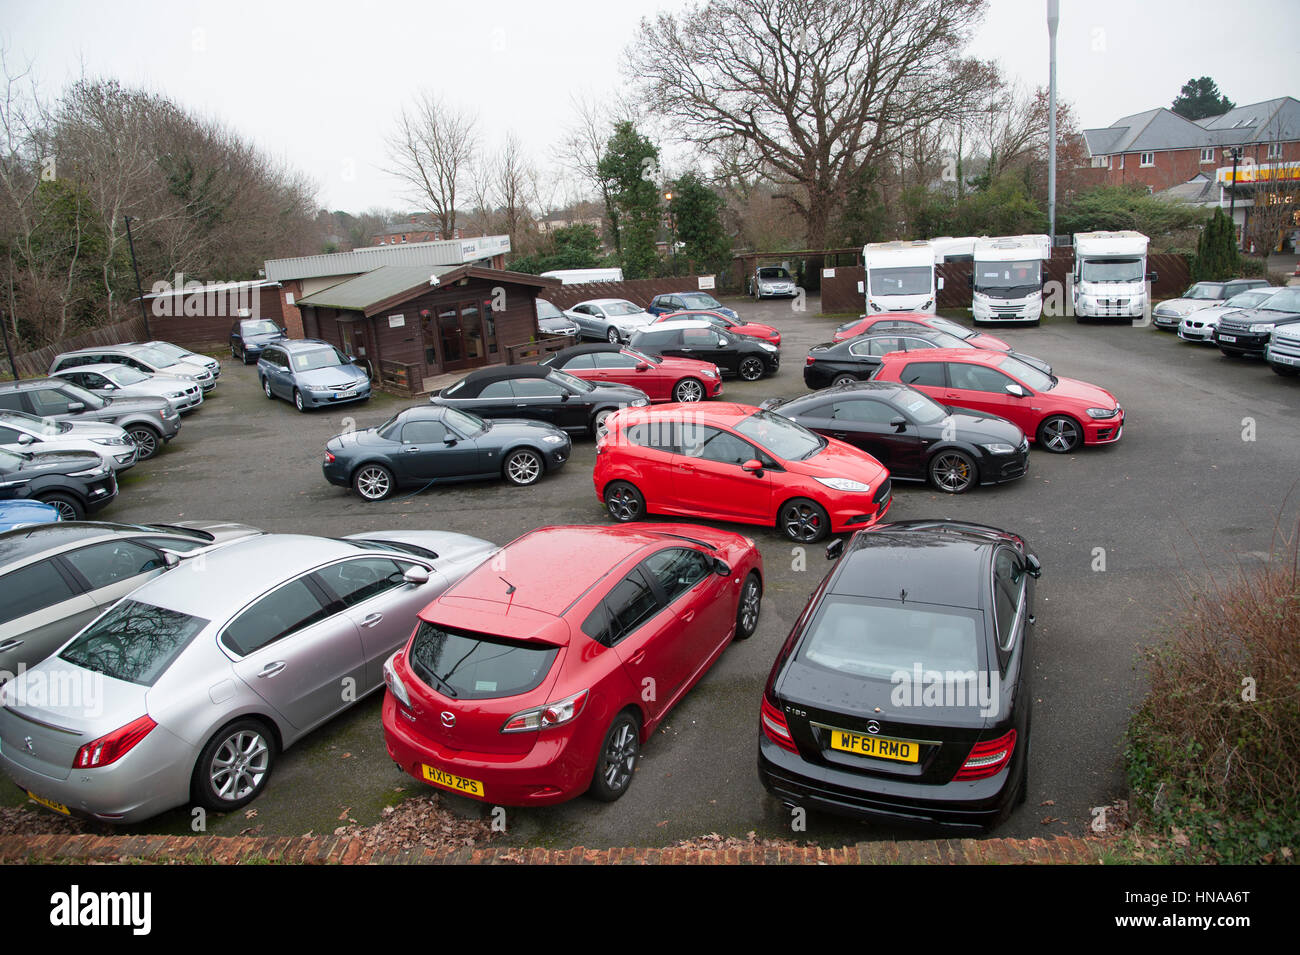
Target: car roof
[(573, 351), (25, 542), (291, 344), (721, 413), (606, 301), (971, 356), (475, 380), (882, 389), (677, 323), (101, 367)]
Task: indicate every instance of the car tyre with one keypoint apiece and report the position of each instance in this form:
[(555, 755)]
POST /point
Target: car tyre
[(598, 420), (373, 482), (751, 369), (953, 472), (842, 380), (751, 602), (298, 402), (688, 390), (803, 521), (1060, 434), (70, 509), (234, 766), (523, 467), (611, 335), (624, 502), (266, 388), (147, 440), (617, 760)]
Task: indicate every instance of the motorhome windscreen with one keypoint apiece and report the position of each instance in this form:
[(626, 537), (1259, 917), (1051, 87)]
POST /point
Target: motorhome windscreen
[(1009, 279), (1112, 269), (916, 280)]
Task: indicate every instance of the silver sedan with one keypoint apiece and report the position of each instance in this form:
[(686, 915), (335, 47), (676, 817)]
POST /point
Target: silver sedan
[(189, 687), (112, 381)]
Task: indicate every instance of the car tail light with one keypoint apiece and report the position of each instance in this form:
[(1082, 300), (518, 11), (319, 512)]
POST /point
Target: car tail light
[(810, 360), (775, 727), (544, 717), (109, 749), (329, 458), (987, 758)]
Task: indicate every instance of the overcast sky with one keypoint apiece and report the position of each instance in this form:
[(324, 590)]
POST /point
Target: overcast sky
[(318, 84)]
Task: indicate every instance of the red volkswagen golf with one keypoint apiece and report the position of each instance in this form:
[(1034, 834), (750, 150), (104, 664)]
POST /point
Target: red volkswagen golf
[(662, 378), (541, 673), (910, 322), (1059, 413), (733, 462)]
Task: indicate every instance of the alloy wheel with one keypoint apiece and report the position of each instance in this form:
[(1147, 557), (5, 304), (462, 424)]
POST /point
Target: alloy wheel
[(239, 765), (523, 467), (374, 483), (689, 390), (952, 472)]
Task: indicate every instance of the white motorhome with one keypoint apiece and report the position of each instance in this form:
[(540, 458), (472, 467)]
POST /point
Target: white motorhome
[(900, 277), (1110, 275), (579, 276), (1007, 278), (948, 249)]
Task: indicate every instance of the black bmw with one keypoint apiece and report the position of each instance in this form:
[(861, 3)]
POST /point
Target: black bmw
[(913, 435), (903, 691)]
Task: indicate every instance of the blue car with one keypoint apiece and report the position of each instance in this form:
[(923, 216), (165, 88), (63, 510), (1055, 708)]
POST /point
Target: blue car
[(249, 336), (310, 373), (688, 301), (15, 514)]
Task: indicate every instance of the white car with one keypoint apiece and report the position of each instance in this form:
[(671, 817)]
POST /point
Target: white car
[(1199, 325), (1169, 313), (21, 432), (111, 381), (187, 356), (610, 319)]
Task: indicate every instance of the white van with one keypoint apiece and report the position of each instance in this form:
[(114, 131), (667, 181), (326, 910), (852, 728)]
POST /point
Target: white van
[(1007, 278), (579, 276), (900, 277), (1110, 275)]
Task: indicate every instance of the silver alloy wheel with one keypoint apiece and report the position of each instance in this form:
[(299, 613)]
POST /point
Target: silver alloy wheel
[(266, 387), (239, 765), (67, 512), (750, 601), (688, 389), (802, 521), (623, 502), (297, 400), (598, 422), (612, 335), (952, 472), (619, 757), (844, 380), (523, 467), (373, 482), (146, 442), (1060, 434), (751, 369)]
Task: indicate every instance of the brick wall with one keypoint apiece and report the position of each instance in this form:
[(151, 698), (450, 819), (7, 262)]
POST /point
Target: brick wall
[(1173, 167)]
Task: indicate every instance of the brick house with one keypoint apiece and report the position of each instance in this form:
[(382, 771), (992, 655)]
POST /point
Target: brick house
[(415, 228)]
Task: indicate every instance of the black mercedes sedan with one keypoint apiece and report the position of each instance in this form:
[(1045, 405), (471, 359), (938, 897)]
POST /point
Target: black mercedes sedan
[(435, 444), (837, 363), (913, 435), (536, 391), (749, 358), (76, 482), (903, 692)]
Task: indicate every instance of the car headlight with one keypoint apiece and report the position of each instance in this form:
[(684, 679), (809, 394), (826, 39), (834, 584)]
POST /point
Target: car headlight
[(873, 306), (998, 448), (640, 402), (99, 471), (1103, 412), (553, 439), (1262, 327), (767, 346), (706, 373), (844, 484), (928, 303), (112, 442)]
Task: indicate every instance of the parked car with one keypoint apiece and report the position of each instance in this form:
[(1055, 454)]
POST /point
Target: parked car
[(904, 691), (142, 358), (730, 462), (1199, 325), (438, 444), (749, 358), (525, 687), (150, 422), (772, 281), (727, 324), (536, 391), (20, 431), (662, 379), (612, 319), (913, 435), (914, 321), (204, 686), (1060, 414), (310, 373), (123, 381), (857, 358), (248, 336), (1246, 333), (1283, 350), (16, 514), (671, 302), (552, 321), (185, 355), (1171, 312), (75, 482), (56, 578)]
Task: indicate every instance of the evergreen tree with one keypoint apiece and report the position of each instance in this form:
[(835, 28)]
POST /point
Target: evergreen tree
[(630, 168), (697, 223), (1216, 257), (1200, 98)]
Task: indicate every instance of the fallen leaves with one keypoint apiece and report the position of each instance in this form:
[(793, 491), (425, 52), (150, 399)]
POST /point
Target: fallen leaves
[(419, 822), (717, 843)]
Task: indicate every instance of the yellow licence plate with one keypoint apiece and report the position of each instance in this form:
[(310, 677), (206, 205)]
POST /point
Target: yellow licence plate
[(48, 803), (902, 750), (470, 787)]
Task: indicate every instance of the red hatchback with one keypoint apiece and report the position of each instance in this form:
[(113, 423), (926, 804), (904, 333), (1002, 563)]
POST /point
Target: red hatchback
[(910, 322), (539, 675), (728, 324), (1058, 413), (733, 462), (662, 378)]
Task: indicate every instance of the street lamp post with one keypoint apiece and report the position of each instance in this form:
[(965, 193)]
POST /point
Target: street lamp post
[(672, 230), (1053, 18), (144, 311), (1235, 152)]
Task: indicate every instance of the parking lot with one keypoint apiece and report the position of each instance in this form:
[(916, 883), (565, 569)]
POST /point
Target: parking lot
[(1210, 450)]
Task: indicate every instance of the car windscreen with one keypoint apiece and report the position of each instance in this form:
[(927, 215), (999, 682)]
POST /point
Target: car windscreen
[(125, 375), (475, 666), (1117, 269), (1287, 300), (642, 356), (77, 393), (153, 357), (464, 422), (546, 310), (260, 328), (621, 308), (133, 641), (1009, 276), (317, 358), (920, 407), (952, 328), (699, 300), (1249, 299), (1028, 374), (781, 436), (577, 384), (10, 461), (889, 641), (1204, 290), (773, 273), (42, 426), (911, 280)]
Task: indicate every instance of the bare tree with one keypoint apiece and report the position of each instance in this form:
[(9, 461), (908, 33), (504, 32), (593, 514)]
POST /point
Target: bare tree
[(514, 180), (431, 151), (812, 90)]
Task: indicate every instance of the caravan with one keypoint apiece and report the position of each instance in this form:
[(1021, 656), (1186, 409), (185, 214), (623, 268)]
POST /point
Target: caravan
[(900, 277), (1110, 275), (1007, 278)]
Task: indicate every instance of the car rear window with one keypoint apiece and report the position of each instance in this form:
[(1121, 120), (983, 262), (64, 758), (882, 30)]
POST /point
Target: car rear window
[(475, 666), (133, 641)]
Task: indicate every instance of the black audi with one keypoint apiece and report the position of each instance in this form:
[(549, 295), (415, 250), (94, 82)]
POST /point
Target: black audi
[(854, 359), (77, 483), (903, 692), (545, 394), (435, 444)]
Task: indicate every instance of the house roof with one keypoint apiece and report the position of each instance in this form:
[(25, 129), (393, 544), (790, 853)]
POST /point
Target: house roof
[(444, 253), (388, 285), (1275, 120)]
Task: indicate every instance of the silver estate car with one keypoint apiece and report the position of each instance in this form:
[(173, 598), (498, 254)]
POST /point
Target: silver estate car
[(185, 690), (110, 380)]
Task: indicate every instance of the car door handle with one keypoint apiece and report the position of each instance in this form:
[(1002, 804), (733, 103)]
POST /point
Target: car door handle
[(10, 645), (271, 669), (688, 616), (638, 658), (371, 620), (410, 449), (839, 434)]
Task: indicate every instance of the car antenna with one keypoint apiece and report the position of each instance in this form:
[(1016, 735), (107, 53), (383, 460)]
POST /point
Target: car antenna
[(510, 592), (902, 595)]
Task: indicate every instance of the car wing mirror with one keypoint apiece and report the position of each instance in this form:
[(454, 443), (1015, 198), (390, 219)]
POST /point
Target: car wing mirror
[(754, 466), (416, 575), (1033, 567), (835, 548), (721, 567), (76, 406), (899, 424), (939, 286), (25, 439), (642, 366), (1017, 391), (171, 560), (449, 440), (1153, 276)]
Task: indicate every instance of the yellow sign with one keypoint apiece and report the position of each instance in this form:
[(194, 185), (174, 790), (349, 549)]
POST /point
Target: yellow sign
[(1250, 173)]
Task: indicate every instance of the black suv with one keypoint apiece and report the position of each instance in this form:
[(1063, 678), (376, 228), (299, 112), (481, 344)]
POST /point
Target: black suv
[(77, 483), (150, 422), (741, 355), (1246, 332)]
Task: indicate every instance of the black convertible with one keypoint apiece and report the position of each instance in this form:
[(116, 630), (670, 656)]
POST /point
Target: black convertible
[(545, 394)]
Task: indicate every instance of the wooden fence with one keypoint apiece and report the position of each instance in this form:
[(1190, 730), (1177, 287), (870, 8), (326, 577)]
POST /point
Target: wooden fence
[(36, 363), (637, 291)]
